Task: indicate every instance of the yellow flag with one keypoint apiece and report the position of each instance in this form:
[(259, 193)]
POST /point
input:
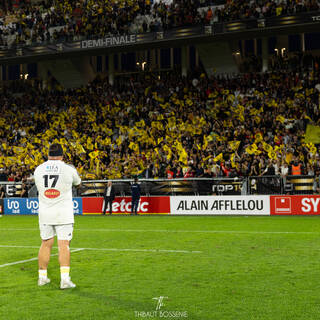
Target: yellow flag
[(234, 145), (107, 141), (205, 143), (281, 119), (252, 149), (183, 157), (267, 147), (289, 157), (219, 157), (171, 122), (141, 124), (312, 134), (89, 144), (80, 148), (94, 154), (232, 159), (133, 146), (118, 141), (258, 137), (272, 155)]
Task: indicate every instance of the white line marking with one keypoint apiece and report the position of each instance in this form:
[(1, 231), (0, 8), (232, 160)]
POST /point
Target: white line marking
[(197, 231), (178, 231), (112, 249), (144, 250), (32, 259)]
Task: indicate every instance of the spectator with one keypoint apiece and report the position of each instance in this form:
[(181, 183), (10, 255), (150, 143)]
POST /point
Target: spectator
[(135, 197), (3, 175)]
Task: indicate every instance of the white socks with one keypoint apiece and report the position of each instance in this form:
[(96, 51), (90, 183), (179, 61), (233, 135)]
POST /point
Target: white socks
[(42, 274), (64, 271)]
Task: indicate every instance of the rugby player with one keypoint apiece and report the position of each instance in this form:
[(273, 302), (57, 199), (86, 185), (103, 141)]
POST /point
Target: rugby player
[(54, 180)]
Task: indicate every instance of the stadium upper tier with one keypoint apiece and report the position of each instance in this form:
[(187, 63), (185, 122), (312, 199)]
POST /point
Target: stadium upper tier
[(244, 125), (26, 23)]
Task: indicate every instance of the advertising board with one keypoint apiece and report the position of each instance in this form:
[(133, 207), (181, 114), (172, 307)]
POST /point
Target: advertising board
[(220, 205), (122, 205)]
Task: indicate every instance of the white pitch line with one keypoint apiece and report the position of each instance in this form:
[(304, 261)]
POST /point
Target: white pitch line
[(144, 250), (114, 249), (198, 231), (27, 260), (176, 231)]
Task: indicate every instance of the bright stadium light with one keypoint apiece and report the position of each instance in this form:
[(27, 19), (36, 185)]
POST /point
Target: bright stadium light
[(24, 76)]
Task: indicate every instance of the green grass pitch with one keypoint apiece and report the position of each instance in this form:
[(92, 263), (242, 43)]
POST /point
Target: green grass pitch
[(205, 267)]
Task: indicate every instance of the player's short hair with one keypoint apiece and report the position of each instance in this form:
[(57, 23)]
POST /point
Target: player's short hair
[(55, 150)]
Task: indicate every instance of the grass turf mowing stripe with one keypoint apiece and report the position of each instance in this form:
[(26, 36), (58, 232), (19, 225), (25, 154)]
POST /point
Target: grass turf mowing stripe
[(113, 249), (176, 231)]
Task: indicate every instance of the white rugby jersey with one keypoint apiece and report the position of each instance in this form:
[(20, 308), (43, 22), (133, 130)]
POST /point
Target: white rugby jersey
[(54, 180)]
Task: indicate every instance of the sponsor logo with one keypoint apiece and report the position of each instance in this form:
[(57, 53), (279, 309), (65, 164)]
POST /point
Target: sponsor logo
[(158, 313), (75, 205), (220, 205), (122, 205), (53, 168), (282, 205), (33, 206), (315, 18), (235, 205), (125, 206), (226, 187), (295, 205), (13, 204), (52, 193), (310, 205)]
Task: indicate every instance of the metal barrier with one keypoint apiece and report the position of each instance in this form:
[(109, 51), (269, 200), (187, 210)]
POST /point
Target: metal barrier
[(157, 187), (265, 185), (253, 185)]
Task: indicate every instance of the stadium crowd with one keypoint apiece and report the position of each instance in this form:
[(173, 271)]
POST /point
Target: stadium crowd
[(168, 126), (23, 22)]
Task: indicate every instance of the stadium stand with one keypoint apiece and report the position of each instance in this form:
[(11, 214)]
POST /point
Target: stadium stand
[(168, 126), (27, 23)]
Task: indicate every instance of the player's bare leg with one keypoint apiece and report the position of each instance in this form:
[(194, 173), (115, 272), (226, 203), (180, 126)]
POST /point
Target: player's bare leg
[(64, 260), (43, 260)]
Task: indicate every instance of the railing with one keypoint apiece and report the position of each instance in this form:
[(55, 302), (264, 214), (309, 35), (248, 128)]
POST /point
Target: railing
[(253, 185), (78, 43)]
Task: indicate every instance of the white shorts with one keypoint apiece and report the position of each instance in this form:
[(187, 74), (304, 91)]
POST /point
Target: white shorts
[(62, 231)]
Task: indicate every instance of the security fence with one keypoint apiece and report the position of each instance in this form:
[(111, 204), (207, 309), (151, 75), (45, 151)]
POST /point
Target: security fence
[(260, 185)]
